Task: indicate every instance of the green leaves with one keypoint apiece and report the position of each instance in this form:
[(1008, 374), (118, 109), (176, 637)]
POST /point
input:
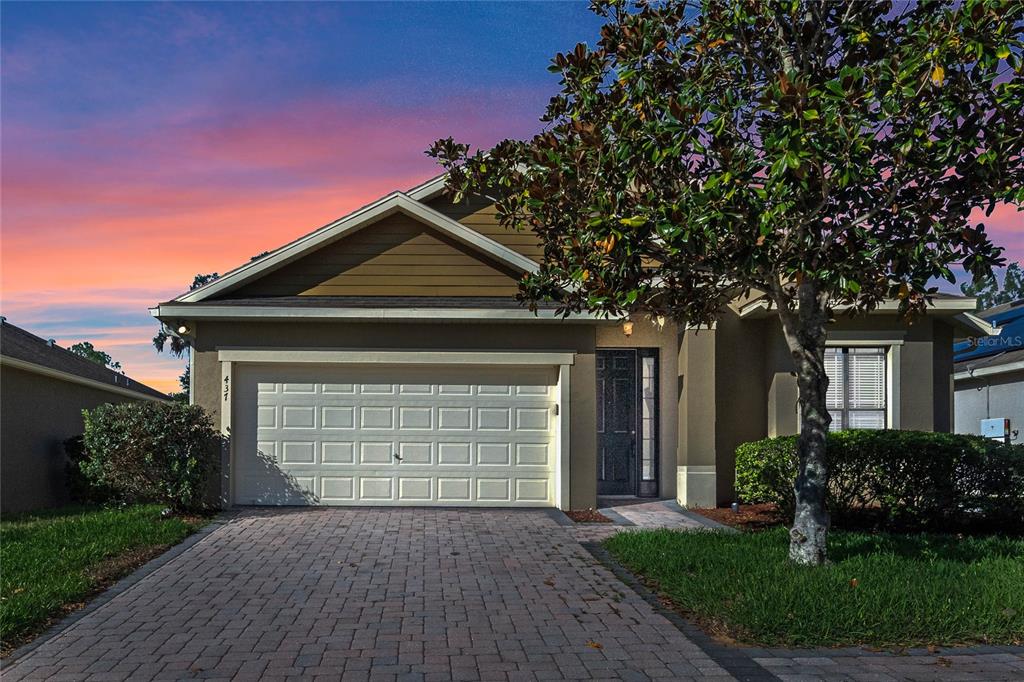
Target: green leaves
[(731, 148)]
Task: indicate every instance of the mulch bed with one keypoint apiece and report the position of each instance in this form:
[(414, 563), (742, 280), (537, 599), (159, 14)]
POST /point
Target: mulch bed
[(749, 517), (587, 516)]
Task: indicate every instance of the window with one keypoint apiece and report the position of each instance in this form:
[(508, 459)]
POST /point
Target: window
[(648, 416), (856, 389)]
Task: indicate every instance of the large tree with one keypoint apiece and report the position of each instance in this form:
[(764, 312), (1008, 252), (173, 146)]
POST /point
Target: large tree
[(821, 154)]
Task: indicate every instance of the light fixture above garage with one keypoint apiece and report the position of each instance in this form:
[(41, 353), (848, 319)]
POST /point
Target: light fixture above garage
[(184, 329), (627, 327)]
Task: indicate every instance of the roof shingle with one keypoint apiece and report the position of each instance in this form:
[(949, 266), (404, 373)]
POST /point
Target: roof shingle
[(19, 344)]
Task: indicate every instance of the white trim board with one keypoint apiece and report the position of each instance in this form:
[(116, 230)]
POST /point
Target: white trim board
[(75, 379), (395, 357), (430, 189), (393, 203), (170, 311)]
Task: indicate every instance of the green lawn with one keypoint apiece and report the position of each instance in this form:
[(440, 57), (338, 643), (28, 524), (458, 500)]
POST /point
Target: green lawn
[(51, 561), (883, 590)]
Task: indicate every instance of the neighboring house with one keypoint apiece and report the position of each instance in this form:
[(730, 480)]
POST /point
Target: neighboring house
[(382, 359), (43, 390), (989, 373)]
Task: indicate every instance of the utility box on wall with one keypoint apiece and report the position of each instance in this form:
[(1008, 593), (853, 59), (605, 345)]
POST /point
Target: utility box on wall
[(996, 429)]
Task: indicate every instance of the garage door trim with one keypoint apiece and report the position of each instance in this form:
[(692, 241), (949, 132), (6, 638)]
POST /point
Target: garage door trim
[(563, 360)]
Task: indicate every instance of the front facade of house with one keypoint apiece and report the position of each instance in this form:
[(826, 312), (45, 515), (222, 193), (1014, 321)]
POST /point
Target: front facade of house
[(383, 360)]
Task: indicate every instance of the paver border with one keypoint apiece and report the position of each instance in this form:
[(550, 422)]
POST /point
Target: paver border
[(219, 520), (734, 660)]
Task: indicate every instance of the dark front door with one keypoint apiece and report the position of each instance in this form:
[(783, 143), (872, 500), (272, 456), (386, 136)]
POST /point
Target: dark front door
[(616, 422)]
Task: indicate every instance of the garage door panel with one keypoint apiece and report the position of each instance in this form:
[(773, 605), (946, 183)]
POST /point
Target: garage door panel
[(334, 435)]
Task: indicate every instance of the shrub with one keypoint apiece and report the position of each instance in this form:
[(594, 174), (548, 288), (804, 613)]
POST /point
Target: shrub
[(80, 488), (151, 452), (912, 479)]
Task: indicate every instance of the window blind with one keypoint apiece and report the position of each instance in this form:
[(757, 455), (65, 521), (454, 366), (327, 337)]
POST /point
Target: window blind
[(856, 396)]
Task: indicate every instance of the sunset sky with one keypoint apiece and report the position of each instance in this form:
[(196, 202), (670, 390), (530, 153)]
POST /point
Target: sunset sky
[(145, 143)]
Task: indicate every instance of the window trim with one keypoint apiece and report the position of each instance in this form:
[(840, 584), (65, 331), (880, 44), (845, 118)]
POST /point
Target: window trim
[(886, 353), (649, 485), (893, 367), (846, 410)]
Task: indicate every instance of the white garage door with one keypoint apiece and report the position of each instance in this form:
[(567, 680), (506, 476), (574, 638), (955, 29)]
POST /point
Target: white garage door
[(408, 435)]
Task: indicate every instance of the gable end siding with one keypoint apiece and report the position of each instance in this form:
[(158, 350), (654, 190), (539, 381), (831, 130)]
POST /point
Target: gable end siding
[(480, 215), (398, 256)]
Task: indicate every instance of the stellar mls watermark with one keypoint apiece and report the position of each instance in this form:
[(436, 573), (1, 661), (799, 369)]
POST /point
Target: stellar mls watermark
[(997, 342)]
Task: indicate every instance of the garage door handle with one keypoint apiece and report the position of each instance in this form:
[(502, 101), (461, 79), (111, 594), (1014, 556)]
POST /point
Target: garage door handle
[(398, 457)]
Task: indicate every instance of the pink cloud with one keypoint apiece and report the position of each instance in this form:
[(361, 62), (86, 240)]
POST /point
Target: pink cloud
[(1006, 229)]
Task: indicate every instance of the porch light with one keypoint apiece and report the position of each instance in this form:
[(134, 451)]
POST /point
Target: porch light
[(184, 329), (627, 327)]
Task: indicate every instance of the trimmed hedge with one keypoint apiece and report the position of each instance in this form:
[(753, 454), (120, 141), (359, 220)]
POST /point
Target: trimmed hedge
[(151, 452), (911, 479)]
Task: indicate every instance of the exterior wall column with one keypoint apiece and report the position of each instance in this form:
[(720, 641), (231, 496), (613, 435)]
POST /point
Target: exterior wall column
[(695, 455)]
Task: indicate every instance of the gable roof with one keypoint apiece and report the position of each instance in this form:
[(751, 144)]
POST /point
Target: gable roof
[(22, 349), (430, 189), (396, 202)]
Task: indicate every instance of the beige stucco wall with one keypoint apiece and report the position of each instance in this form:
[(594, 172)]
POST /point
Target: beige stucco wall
[(696, 467), (755, 392), (718, 387), (538, 336), (38, 414)]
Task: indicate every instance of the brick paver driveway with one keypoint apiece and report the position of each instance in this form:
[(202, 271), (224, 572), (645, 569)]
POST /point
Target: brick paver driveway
[(375, 594)]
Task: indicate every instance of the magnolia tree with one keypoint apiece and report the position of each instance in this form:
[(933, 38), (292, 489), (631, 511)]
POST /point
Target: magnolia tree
[(819, 154)]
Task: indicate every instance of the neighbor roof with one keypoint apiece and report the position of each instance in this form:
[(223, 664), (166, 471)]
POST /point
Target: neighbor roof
[(24, 347), (1008, 318), (1001, 363)]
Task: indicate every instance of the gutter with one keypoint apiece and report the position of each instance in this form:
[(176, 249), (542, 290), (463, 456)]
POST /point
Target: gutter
[(297, 313), (974, 373)]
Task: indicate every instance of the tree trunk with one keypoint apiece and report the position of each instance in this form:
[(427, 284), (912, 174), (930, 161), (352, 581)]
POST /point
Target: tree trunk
[(805, 329)]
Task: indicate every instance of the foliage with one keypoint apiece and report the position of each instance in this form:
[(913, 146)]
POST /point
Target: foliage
[(86, 350), (147, 451), (80, 489), (914, 479), (989, 293), (54, 559), (814, 153), (690, 154), (878, 589), (185, 381), (180, 345)]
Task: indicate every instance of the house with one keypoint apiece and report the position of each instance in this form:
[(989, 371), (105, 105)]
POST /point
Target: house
[(381, 359), (43, 390), (989, 375)]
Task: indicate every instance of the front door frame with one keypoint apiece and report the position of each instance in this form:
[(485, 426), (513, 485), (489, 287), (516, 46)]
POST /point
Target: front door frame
[(642, 487)]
